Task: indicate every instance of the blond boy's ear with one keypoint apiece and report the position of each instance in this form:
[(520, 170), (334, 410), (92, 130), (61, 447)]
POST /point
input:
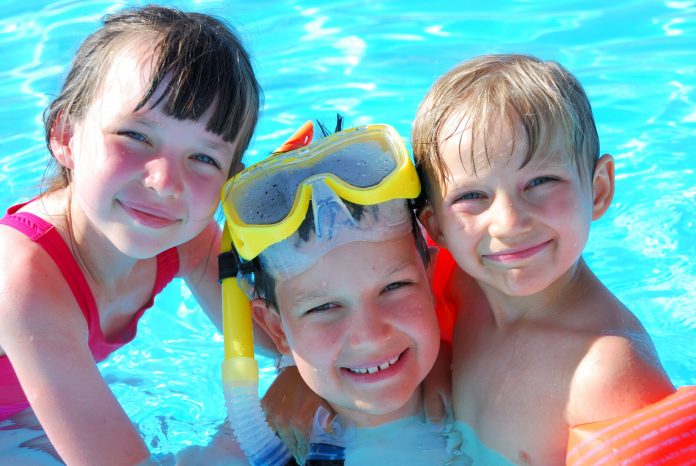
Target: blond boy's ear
[(427, 218), (269, 320), (60, 137), (602, 186)]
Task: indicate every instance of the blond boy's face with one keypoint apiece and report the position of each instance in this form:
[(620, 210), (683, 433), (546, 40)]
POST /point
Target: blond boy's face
[(362, 329), (516, 229)]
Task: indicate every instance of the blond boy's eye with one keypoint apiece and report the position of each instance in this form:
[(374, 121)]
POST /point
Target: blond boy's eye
[(540, 180)]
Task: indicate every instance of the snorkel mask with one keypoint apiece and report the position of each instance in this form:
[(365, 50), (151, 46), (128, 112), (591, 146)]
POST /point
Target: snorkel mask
[(357, 182)]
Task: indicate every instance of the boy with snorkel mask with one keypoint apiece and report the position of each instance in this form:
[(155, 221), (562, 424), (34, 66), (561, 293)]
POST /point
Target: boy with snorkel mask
[(330, 253)]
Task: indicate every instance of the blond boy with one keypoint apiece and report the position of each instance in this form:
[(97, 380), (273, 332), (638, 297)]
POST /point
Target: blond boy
[(510, 156)]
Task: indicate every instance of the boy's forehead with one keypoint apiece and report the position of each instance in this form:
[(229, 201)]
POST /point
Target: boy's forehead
[(345, 263), (472, 145), (468, 144)]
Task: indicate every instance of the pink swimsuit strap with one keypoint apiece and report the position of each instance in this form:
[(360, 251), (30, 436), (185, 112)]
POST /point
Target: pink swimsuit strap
[(12, 398)]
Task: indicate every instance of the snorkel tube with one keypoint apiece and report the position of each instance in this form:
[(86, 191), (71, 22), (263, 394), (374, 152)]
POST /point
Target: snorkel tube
[(240, 371)]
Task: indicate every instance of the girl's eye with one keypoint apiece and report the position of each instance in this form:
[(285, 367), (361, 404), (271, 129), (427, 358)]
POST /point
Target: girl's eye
[(540, 180), (206, 159), (136, 136)]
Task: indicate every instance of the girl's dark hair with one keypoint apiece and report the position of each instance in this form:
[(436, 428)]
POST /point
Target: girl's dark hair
[(200, 56)]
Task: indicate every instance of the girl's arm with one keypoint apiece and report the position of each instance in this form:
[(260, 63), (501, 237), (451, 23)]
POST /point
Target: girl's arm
[(199, 268), (44, 334)]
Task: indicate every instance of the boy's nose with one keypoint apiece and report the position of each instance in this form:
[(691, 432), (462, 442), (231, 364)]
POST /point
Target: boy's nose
[(163, 176), (368, 329), (508, 216)]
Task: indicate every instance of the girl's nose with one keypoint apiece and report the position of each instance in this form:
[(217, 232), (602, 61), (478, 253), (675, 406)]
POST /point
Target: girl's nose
[(163, 176), (508, 216)]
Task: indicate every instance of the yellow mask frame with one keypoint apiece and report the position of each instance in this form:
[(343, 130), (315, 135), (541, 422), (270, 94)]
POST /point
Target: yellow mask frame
[(401, 182)]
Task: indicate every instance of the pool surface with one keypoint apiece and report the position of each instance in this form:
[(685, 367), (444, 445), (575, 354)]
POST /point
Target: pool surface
[(372, 61)]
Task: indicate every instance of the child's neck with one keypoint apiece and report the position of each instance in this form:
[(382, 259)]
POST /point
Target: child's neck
[(547, 303)]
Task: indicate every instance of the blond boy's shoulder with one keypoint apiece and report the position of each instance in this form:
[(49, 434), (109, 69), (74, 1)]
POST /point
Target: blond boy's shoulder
[(618, 374), (619, 370)]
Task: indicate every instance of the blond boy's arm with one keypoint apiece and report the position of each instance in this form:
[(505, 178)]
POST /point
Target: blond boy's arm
[(437, 386)]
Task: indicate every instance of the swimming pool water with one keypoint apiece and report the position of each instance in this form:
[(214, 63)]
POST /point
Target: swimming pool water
[(372, 61)]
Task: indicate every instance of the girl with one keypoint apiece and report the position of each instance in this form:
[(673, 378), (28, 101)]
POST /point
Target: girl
[(154, 116)]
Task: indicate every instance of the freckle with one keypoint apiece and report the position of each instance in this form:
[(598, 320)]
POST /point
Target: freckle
[(524, 457)]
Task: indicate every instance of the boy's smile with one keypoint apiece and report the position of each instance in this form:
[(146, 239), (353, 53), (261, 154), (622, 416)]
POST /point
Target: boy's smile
[(512, 255)]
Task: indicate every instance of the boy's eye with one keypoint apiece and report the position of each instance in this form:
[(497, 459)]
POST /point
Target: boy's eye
[(322, 307), (471, 196), (136, 136), (396, 286), (206, 159), (540, 180)]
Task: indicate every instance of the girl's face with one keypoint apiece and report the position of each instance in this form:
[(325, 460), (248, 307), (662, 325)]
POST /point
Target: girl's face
[(361, 327), (143, 180)]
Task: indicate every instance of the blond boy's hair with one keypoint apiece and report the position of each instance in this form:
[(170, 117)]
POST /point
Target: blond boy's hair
[(543, 97)]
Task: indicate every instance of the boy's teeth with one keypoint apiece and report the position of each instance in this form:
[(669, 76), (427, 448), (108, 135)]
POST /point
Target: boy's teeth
[(372, 370)]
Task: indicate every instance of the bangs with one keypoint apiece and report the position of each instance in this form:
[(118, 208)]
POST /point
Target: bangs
[(202, 72)]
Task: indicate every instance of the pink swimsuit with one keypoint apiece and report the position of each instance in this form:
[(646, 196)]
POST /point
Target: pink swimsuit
[(12, 398)]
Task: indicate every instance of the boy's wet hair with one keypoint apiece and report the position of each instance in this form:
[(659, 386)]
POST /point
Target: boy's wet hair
[(505, 90), (264, 284), (202, 58)]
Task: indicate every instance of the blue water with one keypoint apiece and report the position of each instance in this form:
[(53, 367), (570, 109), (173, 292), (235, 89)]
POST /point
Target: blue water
[(372, 61)]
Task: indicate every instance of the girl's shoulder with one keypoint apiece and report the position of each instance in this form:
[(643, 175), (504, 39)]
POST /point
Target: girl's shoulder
[(37, 303)]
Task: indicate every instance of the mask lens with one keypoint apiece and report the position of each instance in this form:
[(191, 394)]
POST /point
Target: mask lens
[(270, 198)]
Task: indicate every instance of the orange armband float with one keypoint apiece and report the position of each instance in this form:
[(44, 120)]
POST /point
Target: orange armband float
[(443, 269), (663, 433)]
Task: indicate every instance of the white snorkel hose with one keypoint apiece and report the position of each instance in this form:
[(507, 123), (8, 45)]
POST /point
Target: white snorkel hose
[(240, 372)]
